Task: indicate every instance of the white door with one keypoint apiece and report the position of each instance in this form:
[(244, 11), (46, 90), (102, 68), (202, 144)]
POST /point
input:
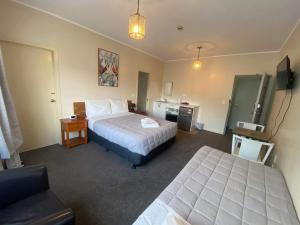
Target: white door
[(243, 99), (30, 77)]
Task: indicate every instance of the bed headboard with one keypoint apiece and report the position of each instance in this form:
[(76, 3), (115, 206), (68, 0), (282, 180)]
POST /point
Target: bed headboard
[(79, 109)]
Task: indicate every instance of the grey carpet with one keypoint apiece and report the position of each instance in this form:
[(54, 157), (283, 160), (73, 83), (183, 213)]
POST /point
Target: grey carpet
[(101, 187)]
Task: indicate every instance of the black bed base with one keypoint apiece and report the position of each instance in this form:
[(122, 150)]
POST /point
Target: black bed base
[(134, 158)]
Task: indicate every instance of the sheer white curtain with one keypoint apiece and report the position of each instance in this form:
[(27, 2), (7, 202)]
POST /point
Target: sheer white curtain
[(10, 133)]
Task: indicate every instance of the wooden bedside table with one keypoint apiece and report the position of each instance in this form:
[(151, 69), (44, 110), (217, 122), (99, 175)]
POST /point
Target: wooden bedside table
[(73, 125)]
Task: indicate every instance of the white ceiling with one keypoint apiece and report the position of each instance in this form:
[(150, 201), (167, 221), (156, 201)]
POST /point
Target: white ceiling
[(231, 26)]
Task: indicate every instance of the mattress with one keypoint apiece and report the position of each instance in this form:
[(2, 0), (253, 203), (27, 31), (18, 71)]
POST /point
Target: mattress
[(218, 188), (125, 130)]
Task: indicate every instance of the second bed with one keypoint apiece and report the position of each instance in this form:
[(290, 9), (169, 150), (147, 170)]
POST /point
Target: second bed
[(123, 134)]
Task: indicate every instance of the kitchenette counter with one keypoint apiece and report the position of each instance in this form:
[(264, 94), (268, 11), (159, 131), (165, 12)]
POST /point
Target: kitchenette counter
[(170, 110), (175, 104)]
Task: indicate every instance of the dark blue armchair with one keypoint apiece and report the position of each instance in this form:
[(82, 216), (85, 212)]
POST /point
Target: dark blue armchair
[(25, 198)]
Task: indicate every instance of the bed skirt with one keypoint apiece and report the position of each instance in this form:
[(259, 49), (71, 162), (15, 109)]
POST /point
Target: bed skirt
[(134, 158)]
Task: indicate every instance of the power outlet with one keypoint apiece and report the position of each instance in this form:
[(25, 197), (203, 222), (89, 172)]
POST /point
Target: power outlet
[(274, 161)]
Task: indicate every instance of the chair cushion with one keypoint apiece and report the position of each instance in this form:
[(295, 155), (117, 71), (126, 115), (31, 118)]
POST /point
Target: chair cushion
[(31, 209)]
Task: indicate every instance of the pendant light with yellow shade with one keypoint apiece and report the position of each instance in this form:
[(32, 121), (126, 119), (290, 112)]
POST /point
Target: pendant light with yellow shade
[(137, 24), (197, 64)]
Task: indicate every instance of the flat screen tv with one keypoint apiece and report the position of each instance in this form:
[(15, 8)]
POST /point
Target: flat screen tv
[(285, 76)]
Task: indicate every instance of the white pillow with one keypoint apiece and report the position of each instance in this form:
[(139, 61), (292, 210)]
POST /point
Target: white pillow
[(97, 108), (118, 106)]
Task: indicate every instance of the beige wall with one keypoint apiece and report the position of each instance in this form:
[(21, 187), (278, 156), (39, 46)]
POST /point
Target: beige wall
[(211, 87), (287, 141), (76, 55)]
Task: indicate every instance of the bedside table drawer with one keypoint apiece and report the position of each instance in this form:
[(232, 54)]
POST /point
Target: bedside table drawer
[(76, 126)]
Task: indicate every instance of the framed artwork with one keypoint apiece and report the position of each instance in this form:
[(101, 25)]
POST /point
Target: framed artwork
[(108, 68)]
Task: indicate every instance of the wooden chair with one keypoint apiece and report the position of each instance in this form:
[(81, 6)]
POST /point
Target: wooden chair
[(253, 150), (251, 126), (131, 106)]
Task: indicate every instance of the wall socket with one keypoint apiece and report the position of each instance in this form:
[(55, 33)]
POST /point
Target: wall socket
[(274, 161)]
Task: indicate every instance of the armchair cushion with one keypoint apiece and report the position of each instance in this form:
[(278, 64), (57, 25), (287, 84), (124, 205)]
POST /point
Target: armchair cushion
[(31, 209), (20, 183), (64, 217)]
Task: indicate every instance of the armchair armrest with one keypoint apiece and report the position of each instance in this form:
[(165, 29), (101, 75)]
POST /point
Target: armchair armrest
[(64, 217), (17, 184)]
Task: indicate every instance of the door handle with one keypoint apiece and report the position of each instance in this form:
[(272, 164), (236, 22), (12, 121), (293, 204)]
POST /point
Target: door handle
[(52, 100)]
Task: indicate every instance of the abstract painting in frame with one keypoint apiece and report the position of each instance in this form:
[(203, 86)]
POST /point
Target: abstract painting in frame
[(108, 68)]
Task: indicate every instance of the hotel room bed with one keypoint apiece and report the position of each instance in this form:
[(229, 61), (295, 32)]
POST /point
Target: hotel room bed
[(124, 134), (125, 129), (218, 188)]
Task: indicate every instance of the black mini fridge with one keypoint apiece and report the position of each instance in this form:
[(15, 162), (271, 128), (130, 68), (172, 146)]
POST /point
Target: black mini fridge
[(185, 118)]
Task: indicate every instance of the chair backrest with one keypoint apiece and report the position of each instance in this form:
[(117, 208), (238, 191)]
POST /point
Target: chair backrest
[(251, 126), (252, 149)]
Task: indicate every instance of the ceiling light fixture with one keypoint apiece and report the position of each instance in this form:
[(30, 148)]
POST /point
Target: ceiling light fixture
[(137, 25), (197, 63)]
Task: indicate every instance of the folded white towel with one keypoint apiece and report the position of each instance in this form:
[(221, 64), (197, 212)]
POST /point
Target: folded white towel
[(149, 123)]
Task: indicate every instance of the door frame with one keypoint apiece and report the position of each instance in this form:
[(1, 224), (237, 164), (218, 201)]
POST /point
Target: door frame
[(148, 90), (261, 97), (236, 77), (57, 84)]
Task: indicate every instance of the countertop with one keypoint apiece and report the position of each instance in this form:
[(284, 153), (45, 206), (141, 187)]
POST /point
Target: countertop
[(177, 104)]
